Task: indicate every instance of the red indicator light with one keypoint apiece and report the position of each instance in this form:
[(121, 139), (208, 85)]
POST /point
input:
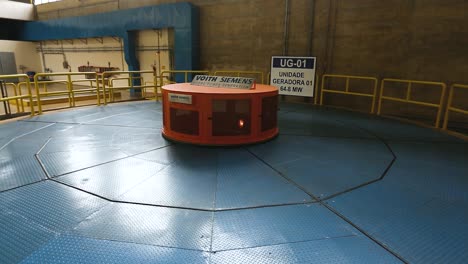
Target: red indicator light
[(240, 123)]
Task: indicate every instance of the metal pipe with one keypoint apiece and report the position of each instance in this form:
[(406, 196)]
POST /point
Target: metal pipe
[(330, 37), (122, 56), (100, 49), (41, 49), (311, 31), (286, 28)]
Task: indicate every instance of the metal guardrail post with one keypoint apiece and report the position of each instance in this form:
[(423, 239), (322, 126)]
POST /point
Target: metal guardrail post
[(373, 95), (70, 91), (408, 99), (108, 89), (19, 95), (450, 107), (164, 76)]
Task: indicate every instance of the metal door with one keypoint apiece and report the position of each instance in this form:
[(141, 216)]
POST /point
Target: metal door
[(8, 64)]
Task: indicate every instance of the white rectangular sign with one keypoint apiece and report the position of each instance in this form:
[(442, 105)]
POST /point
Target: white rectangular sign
[(180, 98), (223, 81), (293, 75)]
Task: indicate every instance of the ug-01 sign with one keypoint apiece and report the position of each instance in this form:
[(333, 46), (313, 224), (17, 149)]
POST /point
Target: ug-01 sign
[(293, 75)]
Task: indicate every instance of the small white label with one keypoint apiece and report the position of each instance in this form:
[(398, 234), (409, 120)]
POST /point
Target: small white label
[(223, 81), (180, 98)]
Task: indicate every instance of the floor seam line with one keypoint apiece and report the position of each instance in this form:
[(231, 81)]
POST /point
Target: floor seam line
[(286, 243), (337, 213), (104, 163)]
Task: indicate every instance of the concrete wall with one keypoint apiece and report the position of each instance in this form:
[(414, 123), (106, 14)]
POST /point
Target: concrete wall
[(418, 39), (414, 39), (101, 52), (25, 54)]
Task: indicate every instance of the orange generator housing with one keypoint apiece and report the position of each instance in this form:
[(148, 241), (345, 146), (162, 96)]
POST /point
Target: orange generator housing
[(219, 116)]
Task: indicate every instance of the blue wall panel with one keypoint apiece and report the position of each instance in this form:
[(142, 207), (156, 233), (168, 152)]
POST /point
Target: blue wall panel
[(182, 17)]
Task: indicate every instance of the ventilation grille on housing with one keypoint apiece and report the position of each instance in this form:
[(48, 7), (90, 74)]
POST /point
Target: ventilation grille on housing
[(231, 117), (269, 112), (184, 121)]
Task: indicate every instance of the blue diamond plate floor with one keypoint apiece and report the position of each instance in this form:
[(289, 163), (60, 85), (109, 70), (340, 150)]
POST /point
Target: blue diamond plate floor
[(100, 185)]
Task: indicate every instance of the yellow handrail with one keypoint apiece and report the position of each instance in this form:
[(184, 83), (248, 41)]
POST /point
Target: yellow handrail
[(347, 91), (449, 104), (109, 88), (20, 96), (69, 82), (20, 92), (15, 91), (316, 86), (408, 99), (186, 73), (164, 78), (130, 84), (152, 83), (238, 74)]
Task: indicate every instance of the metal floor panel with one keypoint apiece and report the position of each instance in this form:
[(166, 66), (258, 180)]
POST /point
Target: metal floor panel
[(354, 249), (51, 130), (245, 181), (374, 204), (130, 141), (87, 114), (26, 143), (315, 124), (186, 204), (14, 129), (19, 237), (143, 118), (114, 178), (231, 176), (276, 225), (77, 144), (190, 183), (70, 116), (395, 130), (294, 107), (326, 166), (51, 205), (421, 229), (19, 171), (137, 142), (22, 148), (149, 225), (59, 163), (69, 249), (181, 153), (435, 169)]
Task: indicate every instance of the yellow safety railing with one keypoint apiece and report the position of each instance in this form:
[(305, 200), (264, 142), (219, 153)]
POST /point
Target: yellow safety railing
[(44, 84), (408, 99), (129, 83), (110, 88), (18, 95), (347, 91), (243, 73), (166, 75), (70, 91), (449, 104), (316, 86), (19, 106), (128, 79), (157, 94), (166, 78), (20, 92)]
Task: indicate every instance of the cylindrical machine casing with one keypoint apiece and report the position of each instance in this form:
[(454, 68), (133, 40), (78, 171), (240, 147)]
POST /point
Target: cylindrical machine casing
[(219, 116)]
